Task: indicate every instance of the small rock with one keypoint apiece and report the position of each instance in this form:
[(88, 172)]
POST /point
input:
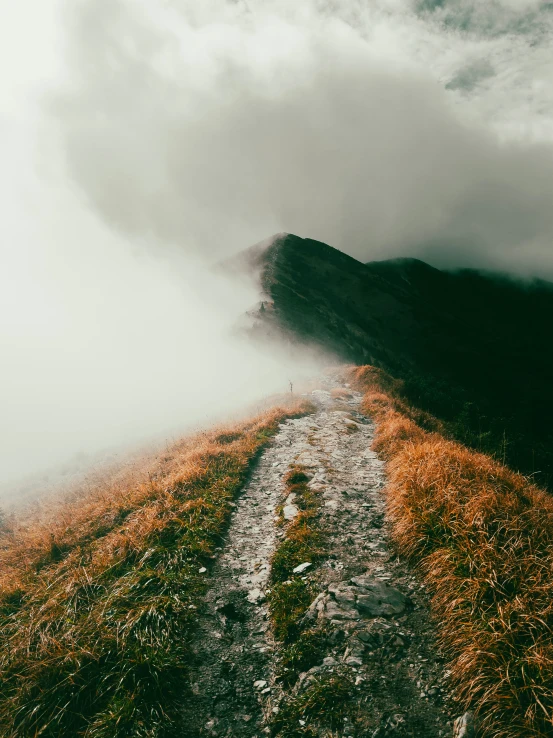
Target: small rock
[(332, 611), (365, 636), (330, 661), (260, 684), (377, 598), (302, 567), (289, 512), (343, 595), (351, 424), (389, 726), (354, 661), (256, 596), (314, 609), (463, 727), (337, 636), (202, 570)]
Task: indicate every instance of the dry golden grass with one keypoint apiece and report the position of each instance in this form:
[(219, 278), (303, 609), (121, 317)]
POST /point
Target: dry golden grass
[(97, 600), (482, 536)]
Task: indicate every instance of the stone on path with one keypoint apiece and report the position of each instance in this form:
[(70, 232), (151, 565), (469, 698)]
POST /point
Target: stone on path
[(302, 567), (289, 512), (256, 596), (377, 598), (463, 727), (368, 598)]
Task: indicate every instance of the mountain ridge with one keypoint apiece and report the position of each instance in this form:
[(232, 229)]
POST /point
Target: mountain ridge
[(472, 346)]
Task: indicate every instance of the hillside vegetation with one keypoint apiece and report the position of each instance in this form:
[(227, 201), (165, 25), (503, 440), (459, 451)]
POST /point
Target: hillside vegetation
[(482, 536), (97, 601), (473, 348)]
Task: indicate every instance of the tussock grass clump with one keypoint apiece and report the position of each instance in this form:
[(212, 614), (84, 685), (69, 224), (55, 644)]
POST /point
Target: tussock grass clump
[(96, 613), (296, 475), (288, 602), (482, 536), (309, 650), (324, 704)]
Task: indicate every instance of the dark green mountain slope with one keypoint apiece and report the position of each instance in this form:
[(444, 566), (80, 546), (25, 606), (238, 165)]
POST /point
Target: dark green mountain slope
[(474, 348)]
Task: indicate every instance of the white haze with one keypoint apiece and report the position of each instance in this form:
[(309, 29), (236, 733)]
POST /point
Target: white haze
[(105, 345), (142, 141), (105, 341)]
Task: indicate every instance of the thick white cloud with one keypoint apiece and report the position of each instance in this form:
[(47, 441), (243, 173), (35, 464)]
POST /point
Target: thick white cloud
[(214, 126)]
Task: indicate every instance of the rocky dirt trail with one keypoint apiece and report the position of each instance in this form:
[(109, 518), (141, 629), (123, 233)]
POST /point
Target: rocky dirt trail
[(372, 611)]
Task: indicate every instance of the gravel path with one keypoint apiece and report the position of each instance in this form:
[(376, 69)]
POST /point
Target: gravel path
[(375, 612)]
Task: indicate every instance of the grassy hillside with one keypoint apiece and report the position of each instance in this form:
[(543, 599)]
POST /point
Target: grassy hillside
[(474, 349), (98, 599), (482, 537)]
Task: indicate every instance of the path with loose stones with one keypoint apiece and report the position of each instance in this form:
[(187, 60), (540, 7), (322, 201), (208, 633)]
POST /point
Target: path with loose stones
[(391, 653)]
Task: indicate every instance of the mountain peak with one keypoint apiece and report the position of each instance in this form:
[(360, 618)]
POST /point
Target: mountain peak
[(479, 335)]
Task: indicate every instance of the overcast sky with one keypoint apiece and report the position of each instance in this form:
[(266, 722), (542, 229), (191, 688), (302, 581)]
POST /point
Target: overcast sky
[(141, 140), (384, 128)]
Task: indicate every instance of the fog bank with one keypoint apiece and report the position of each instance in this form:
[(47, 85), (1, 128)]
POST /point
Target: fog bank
[(142, 142), (106, 344)]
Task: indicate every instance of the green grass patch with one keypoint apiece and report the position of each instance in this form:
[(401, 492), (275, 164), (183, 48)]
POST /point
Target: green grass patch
[(288, 602), (307, 545), (324, 704), (309, 650)]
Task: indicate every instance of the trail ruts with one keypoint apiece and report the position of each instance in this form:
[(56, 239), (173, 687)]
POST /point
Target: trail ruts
[(386, 653)]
